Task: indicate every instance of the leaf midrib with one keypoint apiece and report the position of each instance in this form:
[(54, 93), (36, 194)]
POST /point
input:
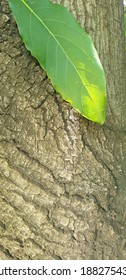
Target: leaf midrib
[(61, 48)]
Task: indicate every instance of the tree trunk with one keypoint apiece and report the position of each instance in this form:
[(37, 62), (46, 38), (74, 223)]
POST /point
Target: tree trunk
[(62, 181)]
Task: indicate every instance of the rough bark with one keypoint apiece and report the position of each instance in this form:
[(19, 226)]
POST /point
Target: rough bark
[(62, 182)]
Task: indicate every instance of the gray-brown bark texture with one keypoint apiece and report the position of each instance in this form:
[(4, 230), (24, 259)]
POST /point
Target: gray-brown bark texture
[(62, 184)]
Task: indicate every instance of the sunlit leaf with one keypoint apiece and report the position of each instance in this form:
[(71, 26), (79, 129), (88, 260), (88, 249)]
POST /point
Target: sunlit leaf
[(65, 52)]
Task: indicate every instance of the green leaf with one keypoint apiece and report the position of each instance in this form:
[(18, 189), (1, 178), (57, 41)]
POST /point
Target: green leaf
[(65, 52)]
